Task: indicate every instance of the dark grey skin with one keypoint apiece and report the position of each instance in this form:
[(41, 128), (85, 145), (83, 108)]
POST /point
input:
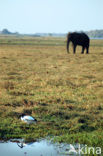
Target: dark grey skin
[(80, 39)]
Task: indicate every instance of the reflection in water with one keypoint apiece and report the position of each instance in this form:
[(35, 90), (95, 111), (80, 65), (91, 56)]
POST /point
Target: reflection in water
[(40, 148), (21, 145)]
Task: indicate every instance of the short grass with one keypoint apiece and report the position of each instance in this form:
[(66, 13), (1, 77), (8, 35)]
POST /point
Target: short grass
[(63, 91)]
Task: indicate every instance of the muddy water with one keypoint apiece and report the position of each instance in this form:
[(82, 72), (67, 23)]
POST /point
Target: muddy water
[(40, 148)]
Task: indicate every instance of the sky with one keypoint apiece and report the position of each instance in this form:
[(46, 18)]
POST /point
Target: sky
[(51, 16)]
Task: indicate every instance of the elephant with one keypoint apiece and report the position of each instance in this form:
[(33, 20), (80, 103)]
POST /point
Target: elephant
[(80, 39)]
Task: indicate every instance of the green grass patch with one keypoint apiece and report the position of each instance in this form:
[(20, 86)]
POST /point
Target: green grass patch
[(63, 91)]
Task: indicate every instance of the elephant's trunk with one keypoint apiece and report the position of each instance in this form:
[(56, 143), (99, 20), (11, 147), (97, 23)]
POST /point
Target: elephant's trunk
[(68, 46)]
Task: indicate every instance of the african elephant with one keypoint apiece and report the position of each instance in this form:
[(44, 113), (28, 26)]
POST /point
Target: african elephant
[(78, 39)]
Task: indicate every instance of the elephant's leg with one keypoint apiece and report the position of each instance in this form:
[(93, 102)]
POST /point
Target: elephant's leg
[(74, 49), (87, 50), (82, 50)]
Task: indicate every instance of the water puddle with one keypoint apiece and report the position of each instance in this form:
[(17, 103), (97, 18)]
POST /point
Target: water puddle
[(39, 148)]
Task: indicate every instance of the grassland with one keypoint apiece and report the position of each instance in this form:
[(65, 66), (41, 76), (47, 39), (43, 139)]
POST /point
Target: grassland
[(63, 91)]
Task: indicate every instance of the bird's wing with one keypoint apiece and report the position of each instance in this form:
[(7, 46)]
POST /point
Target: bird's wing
[(28, 118)]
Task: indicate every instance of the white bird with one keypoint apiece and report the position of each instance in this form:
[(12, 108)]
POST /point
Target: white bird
[(28, 119)]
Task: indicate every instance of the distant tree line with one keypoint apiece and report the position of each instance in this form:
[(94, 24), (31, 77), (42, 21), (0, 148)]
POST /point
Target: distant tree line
[(91, 34), (7, 32), (95, 33)]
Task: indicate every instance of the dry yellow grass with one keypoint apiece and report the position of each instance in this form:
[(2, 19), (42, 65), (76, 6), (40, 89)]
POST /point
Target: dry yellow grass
[(64, 91)]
